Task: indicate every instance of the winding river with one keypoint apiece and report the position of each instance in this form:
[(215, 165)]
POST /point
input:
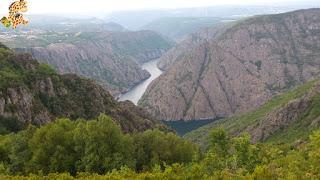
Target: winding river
[(136, 93)]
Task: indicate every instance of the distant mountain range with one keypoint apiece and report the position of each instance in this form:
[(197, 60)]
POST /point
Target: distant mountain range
[(134, 20), (178, 27), (65, 24), (90, 48)]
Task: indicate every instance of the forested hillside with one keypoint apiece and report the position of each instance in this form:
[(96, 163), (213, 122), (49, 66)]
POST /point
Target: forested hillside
[(33, 93), (98, 150)]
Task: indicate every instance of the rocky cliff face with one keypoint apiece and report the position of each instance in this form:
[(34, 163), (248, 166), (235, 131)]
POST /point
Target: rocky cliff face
[(286, 118), (33, 93), (222, 71), (111, 58), (117, 73), (290, 114)]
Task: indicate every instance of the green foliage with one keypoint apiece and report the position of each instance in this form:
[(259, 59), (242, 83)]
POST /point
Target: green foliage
[(258, 64), (302, 128), (241, 159), (10, 75), (245, 160), (219, 142), (19, 153), (158, 148), (10, 124), (45, 70), (52, 148), (14, 76), (237, 155), (102, 146), (29, 90), (96, 146), (238, 124)]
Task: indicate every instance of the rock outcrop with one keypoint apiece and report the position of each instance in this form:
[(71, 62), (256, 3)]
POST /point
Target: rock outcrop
[(233, 69), (33, 93), (284, 117), (288, 117)]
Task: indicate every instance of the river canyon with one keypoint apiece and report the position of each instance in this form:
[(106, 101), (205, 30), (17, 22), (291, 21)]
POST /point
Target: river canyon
[(135, 94)]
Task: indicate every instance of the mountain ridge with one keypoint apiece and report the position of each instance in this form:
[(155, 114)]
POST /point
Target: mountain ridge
[(111, 58), (178, 28), (234, 69), (287, 118), (33, 93)]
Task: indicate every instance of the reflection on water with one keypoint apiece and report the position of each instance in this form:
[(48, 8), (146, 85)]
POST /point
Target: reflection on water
[(136, 93)]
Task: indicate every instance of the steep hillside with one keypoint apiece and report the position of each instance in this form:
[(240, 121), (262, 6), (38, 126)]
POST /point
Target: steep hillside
[(238, 68), (178, 27), (33, 93), (190, 42), (111, 58), (285, 118)]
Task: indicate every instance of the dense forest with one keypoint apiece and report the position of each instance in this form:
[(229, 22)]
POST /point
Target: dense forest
[(98, 149)]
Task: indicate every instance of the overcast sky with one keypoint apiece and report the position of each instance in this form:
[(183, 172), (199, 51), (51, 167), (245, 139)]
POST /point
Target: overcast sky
[(99, 6)]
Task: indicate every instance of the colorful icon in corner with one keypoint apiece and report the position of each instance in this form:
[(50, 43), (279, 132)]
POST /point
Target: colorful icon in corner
[(15, 16), (5, 21)]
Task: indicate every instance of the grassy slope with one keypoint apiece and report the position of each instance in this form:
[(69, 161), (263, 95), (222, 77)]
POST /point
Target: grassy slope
[(237, 124)]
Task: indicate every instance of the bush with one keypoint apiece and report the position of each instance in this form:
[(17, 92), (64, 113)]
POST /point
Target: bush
[(99, 150), (96, 146)]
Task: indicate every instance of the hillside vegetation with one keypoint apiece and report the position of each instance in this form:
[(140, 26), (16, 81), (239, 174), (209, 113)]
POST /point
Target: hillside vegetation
[(95, 146), (287, 117), (98, 150), (33, 93)]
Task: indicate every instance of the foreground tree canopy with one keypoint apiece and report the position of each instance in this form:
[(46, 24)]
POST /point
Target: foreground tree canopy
[(96, 146), (98, 149)]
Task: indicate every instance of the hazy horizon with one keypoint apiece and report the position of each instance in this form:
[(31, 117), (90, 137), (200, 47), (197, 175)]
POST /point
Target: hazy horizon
[(96, 7)]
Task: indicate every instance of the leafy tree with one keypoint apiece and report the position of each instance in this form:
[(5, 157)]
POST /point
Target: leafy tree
[(246, 154), (263, 172), (314, 153), (19, 151), (220, 142), (154, 147), (52, 148), (102, 146), (98, 149), (216, 158)]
